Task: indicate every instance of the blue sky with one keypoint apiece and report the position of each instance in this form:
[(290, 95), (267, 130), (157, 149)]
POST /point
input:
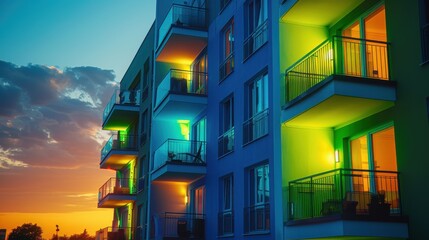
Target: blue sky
[(60, 61), (71, 33)]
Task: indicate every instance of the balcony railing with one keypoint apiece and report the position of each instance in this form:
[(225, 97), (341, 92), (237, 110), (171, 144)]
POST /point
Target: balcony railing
[(183, 225), (185, 17), (182, 82), (227, 67), (257, 218), (110, 233), (226, 223), (255, 40), (124, 97), (347, 192), (180, 151), (119, 142), (340, 56), (226, 142), (255, 127), (425, 42), (118, 186)]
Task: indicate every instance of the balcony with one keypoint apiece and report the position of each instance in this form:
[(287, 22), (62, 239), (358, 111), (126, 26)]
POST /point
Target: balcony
[(122, 109), (343, 77), (226, 223), (182, 35), (181, 95), (182, 226), (257, 219), (346, 202), (118, 151), (115, 233), (116, 192), (179, 160), (255, 127), (225, 142), (256, 40)]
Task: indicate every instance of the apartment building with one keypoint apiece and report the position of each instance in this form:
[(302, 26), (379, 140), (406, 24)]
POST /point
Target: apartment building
[(262, 119)]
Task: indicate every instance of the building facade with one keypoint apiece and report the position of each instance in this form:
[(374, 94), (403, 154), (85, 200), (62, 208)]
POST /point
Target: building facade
[(263, 119)]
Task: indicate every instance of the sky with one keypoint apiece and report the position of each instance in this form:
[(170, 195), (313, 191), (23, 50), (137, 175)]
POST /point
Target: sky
[(60, 61)]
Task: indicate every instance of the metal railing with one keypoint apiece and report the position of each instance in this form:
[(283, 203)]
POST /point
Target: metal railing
[(257, 218), (183, 16), (425, 42), (180, 151), (130, 97), (109, 233), (227, 67), (225, 142), (344, 191), (226, 223), (255, 40), (183, 225), (118, 186), (181, 82), (255, 127), (341, 56), (119, 142)]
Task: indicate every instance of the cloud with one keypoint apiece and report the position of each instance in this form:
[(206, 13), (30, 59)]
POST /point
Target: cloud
[(51, 118)]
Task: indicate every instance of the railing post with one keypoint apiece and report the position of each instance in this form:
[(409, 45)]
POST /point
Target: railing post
[(311, 197)]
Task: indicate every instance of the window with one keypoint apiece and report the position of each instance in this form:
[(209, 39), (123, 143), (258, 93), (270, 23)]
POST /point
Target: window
[(256, 15), (199, 74), (197, 200), (256, 124), (143, 127), (226, 127), (425, 30), (257, 215), (227, 54), (146, 73), (226, 219)]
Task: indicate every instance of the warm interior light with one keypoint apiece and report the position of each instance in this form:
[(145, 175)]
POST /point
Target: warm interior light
[(186, 199), (337, 157)]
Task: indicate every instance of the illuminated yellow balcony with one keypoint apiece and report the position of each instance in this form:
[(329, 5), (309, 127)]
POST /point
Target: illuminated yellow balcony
[(182, 35), (181, 95), (116, 192), (122, 109), (340, 81), (346, 203), (179, 161), (118, 151)]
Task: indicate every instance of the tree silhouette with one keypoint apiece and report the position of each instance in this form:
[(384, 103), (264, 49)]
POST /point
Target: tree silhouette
[(82, 236), (27, 231)]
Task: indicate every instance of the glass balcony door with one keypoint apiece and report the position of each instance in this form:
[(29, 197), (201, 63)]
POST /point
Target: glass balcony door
[(367, 59)]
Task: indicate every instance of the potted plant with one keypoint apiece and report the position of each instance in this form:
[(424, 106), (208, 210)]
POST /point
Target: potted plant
[(378, 205)]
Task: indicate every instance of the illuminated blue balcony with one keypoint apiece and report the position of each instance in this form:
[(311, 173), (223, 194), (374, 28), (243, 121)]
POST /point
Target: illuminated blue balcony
[(122, 109), (118, 151), (181, 95), (179, 160), (116, 192), (182, 35)]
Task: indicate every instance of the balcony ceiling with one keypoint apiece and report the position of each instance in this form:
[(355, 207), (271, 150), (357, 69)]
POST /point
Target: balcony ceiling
[(120, 117), (181, 46), (181, 106), (178, 173), (320, 12), (116, 200), (116, 160)]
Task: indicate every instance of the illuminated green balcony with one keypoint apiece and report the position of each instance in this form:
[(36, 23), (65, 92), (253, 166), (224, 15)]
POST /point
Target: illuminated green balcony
[(179, 160), (181, 95), (341, 81), (122, 110), (116, 192), (348, 202), (118, 151), (182, 35)]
